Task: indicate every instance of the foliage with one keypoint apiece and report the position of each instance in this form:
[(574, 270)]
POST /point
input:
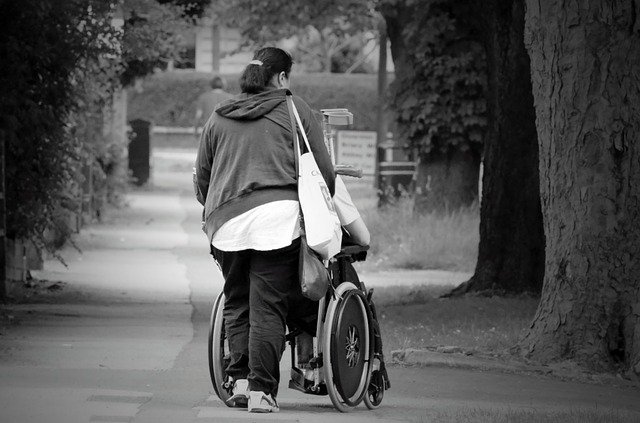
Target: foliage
[(352, 59), (168, 99), (44, 82), (67, 61), (192, 9), (438, 96), (152, 36), (321, 29)]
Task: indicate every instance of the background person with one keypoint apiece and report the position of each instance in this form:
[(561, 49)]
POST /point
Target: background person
[(207, 102), (245, 172)]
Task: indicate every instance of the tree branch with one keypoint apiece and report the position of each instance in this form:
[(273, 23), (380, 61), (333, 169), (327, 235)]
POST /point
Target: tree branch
[(360, 60)]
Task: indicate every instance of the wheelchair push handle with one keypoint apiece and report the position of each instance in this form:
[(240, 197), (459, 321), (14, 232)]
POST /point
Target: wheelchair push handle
[(348, 170)]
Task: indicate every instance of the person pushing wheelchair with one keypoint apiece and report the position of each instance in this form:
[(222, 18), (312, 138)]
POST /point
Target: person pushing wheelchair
[(246, 180)]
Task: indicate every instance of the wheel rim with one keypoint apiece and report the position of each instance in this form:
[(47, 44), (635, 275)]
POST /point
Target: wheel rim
[(218, 349), (348, 360), (346, 297), (352, 346), (375, 391)]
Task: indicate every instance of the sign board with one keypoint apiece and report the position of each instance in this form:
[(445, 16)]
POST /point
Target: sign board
[(357, 148)]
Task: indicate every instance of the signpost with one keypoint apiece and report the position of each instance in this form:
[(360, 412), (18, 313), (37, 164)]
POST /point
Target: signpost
[(357, 148)]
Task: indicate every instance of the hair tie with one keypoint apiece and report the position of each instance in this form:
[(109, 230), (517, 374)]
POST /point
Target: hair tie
[(256, 62)]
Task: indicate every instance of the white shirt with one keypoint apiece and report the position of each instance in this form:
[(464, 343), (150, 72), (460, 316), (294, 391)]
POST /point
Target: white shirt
[(274, 225), (267, 227)]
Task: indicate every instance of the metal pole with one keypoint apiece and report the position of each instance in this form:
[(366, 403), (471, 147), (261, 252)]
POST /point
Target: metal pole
[(215, 47), (382, 87)]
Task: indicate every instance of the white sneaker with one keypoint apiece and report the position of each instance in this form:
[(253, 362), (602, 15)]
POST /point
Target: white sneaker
[(259, 402), (240, 395)]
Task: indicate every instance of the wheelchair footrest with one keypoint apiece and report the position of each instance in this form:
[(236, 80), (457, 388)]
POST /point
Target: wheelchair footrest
[(316, 362), (300, 383)]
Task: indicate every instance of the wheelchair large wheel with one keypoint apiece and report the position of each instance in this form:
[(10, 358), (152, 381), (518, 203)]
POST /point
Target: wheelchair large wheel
[(218, 349), (347, 347)]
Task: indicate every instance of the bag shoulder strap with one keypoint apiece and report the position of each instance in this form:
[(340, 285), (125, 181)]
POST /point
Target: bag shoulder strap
[(294, 131), (304, 134)]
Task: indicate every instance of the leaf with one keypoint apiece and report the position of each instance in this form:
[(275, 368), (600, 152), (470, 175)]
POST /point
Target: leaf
[(444, 69)]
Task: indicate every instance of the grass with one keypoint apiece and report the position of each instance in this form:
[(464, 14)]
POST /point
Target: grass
[(526, 416), (414, 317), (400, 239)]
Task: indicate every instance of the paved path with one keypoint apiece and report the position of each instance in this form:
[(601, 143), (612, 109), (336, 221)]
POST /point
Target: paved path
[(125, 340)]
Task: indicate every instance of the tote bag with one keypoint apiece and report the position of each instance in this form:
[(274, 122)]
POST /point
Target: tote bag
[(320, 220)]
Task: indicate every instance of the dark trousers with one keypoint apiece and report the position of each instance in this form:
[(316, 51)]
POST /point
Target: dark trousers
[(259, 288)]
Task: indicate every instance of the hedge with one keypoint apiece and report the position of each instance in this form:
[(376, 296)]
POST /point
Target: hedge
[(168, 99)]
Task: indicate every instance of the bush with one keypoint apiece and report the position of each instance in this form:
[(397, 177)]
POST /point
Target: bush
[(47, 86), (169, 99)]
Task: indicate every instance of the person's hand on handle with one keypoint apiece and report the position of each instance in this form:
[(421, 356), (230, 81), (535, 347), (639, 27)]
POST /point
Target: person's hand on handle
[(348, 170)]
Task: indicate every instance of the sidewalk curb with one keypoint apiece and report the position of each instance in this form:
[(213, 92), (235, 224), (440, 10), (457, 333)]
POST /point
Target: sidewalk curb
[(455, 358), (428, 358)]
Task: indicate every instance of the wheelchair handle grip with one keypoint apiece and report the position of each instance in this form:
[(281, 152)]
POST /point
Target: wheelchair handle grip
[(348, 170)]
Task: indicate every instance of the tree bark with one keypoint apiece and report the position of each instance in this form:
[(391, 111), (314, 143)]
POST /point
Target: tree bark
[(511, 250), (446, 181), (585, 68)]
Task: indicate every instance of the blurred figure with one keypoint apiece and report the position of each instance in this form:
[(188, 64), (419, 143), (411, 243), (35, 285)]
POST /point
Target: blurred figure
[(208, 101)]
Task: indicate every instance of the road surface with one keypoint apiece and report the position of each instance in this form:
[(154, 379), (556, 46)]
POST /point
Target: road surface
[(125, 339)]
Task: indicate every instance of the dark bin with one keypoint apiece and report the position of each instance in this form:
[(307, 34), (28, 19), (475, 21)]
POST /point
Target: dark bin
[(140, 151)]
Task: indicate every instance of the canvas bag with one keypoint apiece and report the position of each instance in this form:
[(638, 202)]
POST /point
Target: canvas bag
[(314, 276), (320, 219)]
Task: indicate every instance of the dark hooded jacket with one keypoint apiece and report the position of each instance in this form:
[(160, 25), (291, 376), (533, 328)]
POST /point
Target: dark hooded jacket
[(246, 156)]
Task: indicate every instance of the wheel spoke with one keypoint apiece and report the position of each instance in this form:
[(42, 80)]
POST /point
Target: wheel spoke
[(352, 346)]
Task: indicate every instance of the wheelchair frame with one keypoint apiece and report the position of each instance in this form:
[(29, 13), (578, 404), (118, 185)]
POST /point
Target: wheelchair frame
[(373, 380), (357, 346)]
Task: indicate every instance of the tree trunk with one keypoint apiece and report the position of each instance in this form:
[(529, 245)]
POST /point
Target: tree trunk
[(511, 250), (395, 19), (3, 224), (327, 53), (585, 67), (446, 181)]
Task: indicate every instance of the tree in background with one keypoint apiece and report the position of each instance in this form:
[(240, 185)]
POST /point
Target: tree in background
[(511, 251), (53, 46), (585, 68), (152, 35), (351, 58), (66, 61), (438, 98), (438, 94), (323, 28), (190, 9)]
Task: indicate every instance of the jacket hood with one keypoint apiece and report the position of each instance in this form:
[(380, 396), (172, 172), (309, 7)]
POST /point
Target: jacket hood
[(252, 106)]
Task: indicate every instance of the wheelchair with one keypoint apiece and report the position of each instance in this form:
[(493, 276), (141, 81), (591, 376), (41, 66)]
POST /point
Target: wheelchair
[(347, 362)]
